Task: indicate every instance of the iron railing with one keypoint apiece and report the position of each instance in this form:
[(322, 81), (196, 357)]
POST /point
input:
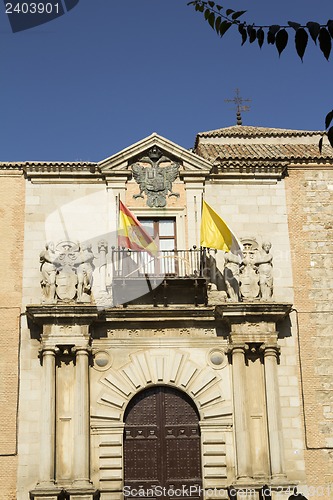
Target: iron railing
[(169, 263)]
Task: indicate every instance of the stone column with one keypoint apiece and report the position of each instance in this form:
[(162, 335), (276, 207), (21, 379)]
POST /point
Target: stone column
[(273, 411), (47, 431), (243, 451), (81, 419), (103, 250)]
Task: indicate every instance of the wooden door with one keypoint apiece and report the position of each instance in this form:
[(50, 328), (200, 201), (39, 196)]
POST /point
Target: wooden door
[(162, 446)]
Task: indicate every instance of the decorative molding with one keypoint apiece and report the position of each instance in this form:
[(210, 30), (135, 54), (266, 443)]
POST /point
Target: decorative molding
[(161, 367), (120, 161)]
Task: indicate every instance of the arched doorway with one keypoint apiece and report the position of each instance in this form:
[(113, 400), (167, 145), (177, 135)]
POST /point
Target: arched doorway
[(162, 445)]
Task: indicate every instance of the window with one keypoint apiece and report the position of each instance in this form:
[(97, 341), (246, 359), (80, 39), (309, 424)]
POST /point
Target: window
[(163, 231)]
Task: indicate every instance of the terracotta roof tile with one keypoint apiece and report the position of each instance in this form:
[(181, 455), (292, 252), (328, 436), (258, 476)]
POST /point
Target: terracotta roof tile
[(250, 131), (285, 152)]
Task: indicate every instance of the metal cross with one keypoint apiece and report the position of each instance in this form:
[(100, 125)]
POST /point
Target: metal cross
[(238, 100)]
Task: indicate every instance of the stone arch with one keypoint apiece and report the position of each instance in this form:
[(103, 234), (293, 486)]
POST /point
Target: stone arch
[(171, 367)]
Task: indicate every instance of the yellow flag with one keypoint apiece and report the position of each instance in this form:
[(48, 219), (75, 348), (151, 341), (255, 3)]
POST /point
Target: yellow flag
[(215, 233)]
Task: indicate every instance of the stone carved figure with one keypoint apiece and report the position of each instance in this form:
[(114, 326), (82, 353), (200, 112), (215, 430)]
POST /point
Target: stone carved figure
[(249, 279), (231, 275), (66, 272), (66, 279), (265, 269), (245, 278), (48, 269), (84, 270), (155, 181)]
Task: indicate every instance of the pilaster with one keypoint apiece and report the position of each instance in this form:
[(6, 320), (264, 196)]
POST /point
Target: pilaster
[(65, 328), (271, 353), (243, 451), (81, 419)]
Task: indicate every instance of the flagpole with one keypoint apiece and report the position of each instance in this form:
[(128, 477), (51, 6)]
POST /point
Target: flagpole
[(202, 266), (117, 216)]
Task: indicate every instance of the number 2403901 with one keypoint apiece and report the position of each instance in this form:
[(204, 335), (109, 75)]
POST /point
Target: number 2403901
[(32, 8)]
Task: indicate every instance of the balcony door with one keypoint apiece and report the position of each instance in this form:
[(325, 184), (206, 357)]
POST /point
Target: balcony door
[(163, 231), (162, 445)]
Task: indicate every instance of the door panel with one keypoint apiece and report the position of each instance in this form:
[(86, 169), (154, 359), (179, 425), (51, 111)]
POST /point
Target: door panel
[(162, 444)]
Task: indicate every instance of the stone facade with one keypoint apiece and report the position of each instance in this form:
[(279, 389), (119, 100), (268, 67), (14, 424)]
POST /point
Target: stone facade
[(100, 326)]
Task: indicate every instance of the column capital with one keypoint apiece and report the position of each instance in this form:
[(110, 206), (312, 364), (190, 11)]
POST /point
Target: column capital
[(270, 350), (47, 352), (238, 348), (79, 350)]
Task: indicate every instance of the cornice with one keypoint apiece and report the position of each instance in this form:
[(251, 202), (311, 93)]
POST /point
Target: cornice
[(53, 172), (252, 311)]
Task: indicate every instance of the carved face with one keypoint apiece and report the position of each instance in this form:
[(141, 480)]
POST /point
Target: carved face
[(266, 246), (50, 246)]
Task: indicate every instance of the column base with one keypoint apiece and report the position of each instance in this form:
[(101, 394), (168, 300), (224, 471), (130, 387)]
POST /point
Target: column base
[(82, 490), (280, 480), (47, 491)]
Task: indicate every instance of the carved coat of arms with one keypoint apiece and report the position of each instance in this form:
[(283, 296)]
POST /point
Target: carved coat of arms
[(66, 272), (155, 181)]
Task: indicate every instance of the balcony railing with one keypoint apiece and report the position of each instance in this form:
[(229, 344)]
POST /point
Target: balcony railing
[(169, 277), (169, 263)]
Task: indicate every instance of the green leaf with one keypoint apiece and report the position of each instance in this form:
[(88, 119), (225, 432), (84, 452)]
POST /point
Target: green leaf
[(301, 41), (320, 145), (296, 26), (270, 38), (260, 37), (330, 27), (325, 42), (229, 11), (281, 40), (207, 14), (218, 23), (330, 136), (238, 14), (252, 32), (243, 32), (224, 27), (274, 29), (328, 119), (314, 29), (211, 4), (219, 7), (211, 20)]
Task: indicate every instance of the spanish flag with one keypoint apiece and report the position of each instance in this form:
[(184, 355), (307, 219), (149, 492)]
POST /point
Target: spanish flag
[(131, 233), (215, 233)]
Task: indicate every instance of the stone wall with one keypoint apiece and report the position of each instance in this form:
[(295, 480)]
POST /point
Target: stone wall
[(53, 212), (255, 209), (310, 201), (11, 230)]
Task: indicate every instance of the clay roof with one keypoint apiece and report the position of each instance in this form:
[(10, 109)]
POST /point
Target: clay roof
[(250, 131), (284, 152), (48, 164)]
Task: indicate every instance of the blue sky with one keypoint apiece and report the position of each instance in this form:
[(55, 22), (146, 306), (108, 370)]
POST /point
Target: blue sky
[(108, 74)]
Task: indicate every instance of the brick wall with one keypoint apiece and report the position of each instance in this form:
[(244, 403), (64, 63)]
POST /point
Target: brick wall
[(310, 202), (11, 230)]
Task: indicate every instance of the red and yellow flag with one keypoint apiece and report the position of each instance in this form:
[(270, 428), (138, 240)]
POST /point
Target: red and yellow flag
[(131, 233)]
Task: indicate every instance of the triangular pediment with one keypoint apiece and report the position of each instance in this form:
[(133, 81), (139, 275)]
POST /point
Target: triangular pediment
[(122, 161)]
